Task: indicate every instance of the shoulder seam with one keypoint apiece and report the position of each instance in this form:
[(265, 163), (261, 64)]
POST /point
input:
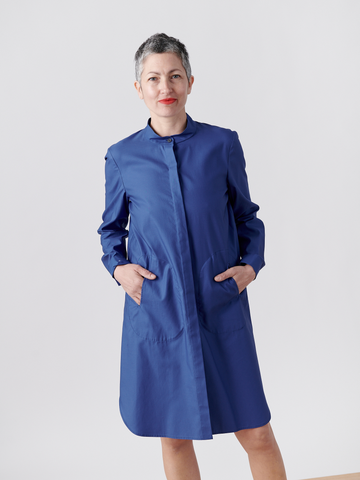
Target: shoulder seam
[(230, 147), (117, 166)]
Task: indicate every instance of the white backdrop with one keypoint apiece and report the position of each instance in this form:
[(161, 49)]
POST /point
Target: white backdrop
[(286, 76)]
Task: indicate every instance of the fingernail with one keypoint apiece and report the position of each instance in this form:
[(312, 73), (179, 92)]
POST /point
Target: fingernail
[(217, 277), (152, 275)]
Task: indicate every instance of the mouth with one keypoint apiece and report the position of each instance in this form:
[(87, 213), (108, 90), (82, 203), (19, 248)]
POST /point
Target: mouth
[(167, 101)]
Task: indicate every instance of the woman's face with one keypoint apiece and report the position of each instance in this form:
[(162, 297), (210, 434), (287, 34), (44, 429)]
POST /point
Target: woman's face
[(164, 85)]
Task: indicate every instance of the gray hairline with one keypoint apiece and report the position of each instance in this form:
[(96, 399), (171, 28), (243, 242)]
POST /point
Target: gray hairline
[(139, 63)]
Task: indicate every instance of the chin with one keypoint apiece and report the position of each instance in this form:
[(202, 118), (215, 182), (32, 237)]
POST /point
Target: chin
[(168, 113)]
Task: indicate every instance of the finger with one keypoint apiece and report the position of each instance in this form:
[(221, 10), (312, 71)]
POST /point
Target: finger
[(145, 273), (136, 298)]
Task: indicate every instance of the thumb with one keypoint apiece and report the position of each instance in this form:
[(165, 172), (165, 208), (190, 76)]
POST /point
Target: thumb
[(222, 276), (146, 273)]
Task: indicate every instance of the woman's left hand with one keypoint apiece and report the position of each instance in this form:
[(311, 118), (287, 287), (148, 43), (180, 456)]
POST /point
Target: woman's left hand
[(242, 274)]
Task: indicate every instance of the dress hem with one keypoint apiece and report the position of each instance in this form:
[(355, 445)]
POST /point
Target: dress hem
[(182, 437)]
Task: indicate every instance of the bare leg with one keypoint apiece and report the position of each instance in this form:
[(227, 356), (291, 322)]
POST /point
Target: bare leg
[(264, 455), (179, 459)]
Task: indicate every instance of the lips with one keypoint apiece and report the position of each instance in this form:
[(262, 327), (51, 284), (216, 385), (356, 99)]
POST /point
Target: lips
[(168, 101)]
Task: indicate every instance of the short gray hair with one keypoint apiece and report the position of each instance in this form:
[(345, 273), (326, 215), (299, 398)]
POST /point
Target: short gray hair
[(161, 43)]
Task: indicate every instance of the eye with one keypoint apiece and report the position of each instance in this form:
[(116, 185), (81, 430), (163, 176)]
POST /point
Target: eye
[(176, 75), (151, 79)]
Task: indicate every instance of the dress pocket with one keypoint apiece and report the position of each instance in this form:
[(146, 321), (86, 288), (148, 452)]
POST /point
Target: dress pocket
[(221, 306), (159, 317), (232, 279)]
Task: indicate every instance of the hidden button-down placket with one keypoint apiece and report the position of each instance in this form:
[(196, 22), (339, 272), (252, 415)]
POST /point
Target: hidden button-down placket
[(191, 313)]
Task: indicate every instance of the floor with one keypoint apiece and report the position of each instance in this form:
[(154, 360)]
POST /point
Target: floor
[(350, 476)]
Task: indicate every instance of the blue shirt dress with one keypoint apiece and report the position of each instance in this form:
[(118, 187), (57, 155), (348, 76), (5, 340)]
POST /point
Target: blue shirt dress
[(189, 366)]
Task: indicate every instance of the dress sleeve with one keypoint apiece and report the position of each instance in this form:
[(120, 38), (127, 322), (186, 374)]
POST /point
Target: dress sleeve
[(250, 229), (113, 230)]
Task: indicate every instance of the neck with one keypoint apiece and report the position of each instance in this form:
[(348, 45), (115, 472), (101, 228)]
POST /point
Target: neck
[(169, 126)]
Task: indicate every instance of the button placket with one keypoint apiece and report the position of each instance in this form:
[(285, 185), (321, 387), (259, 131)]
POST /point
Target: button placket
[(188, 287)]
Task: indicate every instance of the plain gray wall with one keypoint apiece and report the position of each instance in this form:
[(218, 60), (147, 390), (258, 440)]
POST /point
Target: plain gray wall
[(286, 76)]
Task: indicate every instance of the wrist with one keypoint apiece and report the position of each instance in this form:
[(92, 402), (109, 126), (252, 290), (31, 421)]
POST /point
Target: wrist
[(117, 268), (249, 269)]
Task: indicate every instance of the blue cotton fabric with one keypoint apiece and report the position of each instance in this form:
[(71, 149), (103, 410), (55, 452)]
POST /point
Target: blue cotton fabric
[(189, 366)]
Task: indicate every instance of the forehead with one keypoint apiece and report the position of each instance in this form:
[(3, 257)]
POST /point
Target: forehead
[(162, 62)]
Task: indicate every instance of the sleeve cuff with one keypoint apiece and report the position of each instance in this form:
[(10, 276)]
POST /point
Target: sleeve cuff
[(255, 261), (122, 262)]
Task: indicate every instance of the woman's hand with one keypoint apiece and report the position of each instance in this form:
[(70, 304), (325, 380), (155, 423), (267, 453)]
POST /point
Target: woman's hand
[(242, 274), (131, 277)]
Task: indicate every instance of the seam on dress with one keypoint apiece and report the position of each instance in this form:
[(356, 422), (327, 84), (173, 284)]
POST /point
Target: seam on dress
[(228, 160), (122, 180)]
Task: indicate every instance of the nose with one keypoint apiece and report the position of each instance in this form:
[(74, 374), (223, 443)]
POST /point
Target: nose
[(165, 85)]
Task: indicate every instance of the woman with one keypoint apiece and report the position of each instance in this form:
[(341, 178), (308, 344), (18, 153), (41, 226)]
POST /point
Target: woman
[(188, 360)]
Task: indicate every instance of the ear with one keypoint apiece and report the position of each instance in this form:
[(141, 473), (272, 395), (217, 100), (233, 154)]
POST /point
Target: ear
[(138, 89), (191, 81)]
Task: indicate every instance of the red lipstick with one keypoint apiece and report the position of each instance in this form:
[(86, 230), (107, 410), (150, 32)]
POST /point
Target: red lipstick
[(168, 101)]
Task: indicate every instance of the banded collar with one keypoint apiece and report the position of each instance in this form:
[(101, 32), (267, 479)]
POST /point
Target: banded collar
[(180, 137)]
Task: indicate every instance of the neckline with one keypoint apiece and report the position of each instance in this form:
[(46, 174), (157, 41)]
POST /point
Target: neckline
[(178, 138)]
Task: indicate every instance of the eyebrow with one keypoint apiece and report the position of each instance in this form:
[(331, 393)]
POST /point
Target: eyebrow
[(171, 71)]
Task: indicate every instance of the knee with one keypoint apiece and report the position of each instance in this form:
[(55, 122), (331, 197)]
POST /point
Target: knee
[(175, 444), (257, 439)]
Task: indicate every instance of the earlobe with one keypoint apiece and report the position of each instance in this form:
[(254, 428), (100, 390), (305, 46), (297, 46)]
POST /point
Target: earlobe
[(138, 89), (191, 81)]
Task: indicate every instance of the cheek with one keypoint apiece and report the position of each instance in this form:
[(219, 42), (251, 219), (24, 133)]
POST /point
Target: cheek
[(151, 93), (184, 92)]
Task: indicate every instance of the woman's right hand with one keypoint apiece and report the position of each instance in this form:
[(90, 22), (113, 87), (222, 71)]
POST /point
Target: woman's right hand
[(131, 277)]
